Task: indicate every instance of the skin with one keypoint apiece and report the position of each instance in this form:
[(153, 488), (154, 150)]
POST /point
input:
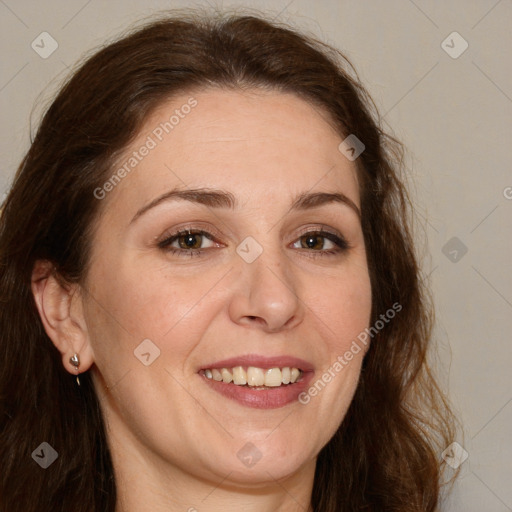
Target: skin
[(174, 441)]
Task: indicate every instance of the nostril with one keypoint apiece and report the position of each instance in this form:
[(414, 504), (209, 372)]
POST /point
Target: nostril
[(255, 320)]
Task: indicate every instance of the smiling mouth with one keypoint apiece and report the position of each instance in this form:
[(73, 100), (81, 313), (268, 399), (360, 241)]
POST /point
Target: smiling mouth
[(254, 377)]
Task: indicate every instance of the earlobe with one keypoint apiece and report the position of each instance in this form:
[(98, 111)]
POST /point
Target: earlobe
[(61, 312)]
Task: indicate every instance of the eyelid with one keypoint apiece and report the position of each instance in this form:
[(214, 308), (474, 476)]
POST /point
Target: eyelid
[(211, 233), (324, 230), (195, 227), (316, 228), (164, 242)]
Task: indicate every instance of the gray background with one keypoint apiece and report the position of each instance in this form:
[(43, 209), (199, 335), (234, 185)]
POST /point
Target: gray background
[(453, 114)]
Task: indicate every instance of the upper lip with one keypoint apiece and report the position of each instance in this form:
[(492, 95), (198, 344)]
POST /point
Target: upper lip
[(263, 362)]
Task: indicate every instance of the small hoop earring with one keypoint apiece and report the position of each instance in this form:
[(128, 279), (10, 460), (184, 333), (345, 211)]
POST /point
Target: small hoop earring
[(75, 361)]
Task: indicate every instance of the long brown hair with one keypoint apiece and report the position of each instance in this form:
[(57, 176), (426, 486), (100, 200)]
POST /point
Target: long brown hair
[(385, 455)]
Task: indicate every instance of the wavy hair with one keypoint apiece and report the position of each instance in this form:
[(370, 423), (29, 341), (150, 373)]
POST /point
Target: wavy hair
[(385, 455)]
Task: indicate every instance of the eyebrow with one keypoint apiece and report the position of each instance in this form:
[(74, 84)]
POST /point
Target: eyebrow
[(215, 198), (309, 200)]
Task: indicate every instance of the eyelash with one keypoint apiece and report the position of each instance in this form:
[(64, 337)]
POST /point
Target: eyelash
[(339, 241)]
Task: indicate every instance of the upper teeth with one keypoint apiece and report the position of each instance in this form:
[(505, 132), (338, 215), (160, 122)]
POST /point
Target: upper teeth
[(271, 377)]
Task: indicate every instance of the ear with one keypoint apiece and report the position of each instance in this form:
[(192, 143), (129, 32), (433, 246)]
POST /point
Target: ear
[(60, 307)]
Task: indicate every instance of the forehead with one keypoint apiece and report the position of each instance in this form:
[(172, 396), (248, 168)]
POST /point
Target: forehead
[(257, 144)]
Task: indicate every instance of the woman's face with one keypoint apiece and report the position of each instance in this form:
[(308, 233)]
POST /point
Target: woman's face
[(217, 254)]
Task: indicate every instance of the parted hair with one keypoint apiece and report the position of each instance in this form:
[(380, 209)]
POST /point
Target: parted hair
[(385, 455)]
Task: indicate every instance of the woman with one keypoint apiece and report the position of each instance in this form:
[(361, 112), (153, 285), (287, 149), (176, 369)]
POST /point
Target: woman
[(210, 294)]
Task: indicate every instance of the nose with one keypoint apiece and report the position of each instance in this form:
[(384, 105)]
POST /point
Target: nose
[(266, 295)]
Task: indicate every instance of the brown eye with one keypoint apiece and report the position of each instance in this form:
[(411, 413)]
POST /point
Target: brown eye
[(312, 241), (322, 242), (190, 241), (187, 242)]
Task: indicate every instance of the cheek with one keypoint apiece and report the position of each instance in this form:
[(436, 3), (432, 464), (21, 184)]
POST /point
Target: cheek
[(146, 302), (139, 297), (342, 312), (343, 307)]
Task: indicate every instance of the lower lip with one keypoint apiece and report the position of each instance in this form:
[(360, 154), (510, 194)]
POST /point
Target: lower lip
[(270, 398)]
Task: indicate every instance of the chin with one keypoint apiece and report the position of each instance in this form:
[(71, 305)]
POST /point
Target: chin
[(254, 468)]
